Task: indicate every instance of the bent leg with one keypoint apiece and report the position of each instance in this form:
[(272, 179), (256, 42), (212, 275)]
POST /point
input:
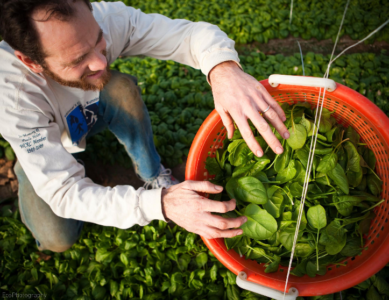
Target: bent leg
[(50, 231), (122, 108)]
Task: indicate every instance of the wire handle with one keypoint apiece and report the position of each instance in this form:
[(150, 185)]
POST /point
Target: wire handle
[(328, 84), (241, 281)]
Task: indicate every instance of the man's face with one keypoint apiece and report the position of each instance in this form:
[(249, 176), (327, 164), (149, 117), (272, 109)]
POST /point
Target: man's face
[(75, 49)]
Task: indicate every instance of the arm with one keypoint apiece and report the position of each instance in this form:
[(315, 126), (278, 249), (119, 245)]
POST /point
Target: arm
[(60, 181), (130, 32)]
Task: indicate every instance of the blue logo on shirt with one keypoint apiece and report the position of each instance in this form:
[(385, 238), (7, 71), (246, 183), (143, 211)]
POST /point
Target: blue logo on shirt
[(81, 120)]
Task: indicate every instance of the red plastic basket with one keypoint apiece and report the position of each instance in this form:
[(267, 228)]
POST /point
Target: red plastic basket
[(350, 108)]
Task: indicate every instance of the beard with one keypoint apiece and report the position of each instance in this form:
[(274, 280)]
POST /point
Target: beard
[(82, 83)]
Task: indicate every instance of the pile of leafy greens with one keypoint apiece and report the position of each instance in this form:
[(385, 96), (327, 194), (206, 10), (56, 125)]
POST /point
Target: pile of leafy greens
[(342, 191)]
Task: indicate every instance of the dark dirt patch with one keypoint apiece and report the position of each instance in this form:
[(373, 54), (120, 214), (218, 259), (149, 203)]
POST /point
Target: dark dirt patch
[(289, 46), (112, 175)]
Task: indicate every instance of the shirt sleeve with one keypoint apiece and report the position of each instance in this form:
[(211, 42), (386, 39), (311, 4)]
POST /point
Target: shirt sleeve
[(60, 180), (131, 32)]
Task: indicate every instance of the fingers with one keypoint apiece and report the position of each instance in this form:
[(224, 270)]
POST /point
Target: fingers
[(222, 223), (221, 207), (214, 233), (248, 135), (270, 101), (278, 124), (227, 122), (202, 186), (265, 130)]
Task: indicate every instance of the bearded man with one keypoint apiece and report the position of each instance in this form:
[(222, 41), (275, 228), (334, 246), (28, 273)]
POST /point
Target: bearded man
[(56, 90)]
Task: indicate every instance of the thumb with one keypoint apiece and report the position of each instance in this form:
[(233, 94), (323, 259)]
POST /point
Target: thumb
[(203, 187)]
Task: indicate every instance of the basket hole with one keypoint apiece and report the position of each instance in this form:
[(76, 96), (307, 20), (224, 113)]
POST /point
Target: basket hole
[(372, 242), (209, 152), (329, 269), (352, 258), (378, 235)]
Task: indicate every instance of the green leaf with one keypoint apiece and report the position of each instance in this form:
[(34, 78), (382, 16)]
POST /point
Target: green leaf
[(374, 184), (333, 237), (288, 173), (260, 224), (98, 292), (247, 189), (275, 204), (273, 266), (327, 163), (298, 136), (113, 287), (282, 160), (213, 272), (212, 166), (345, 204), (339, 177), (317, 217), (201, 259), (353, 158)]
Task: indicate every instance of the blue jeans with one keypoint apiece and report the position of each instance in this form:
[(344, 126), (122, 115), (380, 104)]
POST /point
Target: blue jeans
[(122, 110)]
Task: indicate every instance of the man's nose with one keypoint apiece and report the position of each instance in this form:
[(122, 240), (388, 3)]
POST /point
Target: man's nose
[(98, 62)]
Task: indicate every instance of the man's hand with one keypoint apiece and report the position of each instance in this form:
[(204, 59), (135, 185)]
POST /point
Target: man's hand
[(238, 97), (188, 209)]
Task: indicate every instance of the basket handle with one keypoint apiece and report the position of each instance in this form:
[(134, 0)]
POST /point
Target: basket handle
[(328, 84), (241, 281)]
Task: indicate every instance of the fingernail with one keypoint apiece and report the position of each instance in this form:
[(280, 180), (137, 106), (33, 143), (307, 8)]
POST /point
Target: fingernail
[(259, 153), (245, 219), (240, 232), (218, 188), (279, 150), (286, 135), (283, 119)]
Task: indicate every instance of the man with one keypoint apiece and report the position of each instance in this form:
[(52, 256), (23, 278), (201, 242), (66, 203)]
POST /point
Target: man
[(56, 89)]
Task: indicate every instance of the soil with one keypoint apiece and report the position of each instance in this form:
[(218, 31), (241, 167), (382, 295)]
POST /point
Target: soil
[(289, 46), (112, 175)]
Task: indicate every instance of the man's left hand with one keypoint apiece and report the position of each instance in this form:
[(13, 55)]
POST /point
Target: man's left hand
[(238, 97)]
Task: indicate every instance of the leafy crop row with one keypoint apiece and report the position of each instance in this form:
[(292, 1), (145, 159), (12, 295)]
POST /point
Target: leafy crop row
[(263, 20)]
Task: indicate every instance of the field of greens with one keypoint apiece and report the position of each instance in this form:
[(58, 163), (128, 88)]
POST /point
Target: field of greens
[(163, 261)]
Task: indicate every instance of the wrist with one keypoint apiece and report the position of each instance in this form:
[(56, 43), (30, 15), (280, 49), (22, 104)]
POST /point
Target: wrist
[(163, 204), (222, 69)]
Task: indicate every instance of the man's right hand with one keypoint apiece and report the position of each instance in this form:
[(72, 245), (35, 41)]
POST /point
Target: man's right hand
[(184, 206)]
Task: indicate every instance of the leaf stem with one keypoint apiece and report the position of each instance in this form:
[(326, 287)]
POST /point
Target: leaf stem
[(375, 205), (339, 145)]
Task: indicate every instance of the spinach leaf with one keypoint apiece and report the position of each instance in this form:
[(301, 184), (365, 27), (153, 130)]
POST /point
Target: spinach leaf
[(298, 136), (260, 224), (327, 163), (288, 173), (317, 217), (275, 204), (339, 177), (353, 158)]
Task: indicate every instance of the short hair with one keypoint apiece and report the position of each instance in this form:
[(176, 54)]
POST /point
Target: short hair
[(16, 27)]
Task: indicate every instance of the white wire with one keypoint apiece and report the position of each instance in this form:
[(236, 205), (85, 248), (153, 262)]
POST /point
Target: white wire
[(311, 156), (302, 57), (312, 148), (291, 13)]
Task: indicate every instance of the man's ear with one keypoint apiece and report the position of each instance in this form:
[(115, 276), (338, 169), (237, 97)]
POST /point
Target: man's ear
[(33, 66)]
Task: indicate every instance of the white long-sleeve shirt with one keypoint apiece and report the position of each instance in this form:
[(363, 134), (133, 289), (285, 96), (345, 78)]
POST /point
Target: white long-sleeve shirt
[(36, 113)]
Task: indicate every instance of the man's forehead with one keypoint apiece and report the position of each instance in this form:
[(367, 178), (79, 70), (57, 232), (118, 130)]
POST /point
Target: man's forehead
[(66, 38)]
